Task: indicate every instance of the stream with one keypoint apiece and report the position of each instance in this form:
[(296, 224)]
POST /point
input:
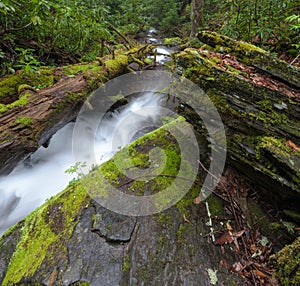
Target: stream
[(42, 174)]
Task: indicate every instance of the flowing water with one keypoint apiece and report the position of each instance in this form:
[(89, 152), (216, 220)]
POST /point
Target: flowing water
[(43, 175)]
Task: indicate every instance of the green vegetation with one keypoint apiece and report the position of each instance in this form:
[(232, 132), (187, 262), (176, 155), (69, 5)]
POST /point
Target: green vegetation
[(44, 236), (23, 121), (41, 32), (22, 101)]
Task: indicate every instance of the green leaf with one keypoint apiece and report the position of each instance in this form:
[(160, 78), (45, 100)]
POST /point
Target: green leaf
[(36, 20)]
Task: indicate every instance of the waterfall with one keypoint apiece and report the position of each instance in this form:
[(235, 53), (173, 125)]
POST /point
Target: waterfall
[(42, 175)]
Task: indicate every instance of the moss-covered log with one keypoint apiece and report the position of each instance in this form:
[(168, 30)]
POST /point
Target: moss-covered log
[(261, 115), (34, 105), (252, 55)]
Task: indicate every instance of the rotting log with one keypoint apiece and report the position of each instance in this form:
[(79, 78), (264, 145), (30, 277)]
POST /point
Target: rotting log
[(260, 109), (253, 56), (34, 105)]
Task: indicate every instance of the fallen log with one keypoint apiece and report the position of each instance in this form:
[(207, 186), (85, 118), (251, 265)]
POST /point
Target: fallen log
[(34, 105), (252, 55), (260, 109)]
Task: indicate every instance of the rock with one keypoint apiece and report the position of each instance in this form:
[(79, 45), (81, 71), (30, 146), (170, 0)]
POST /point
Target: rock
[(71, 239)]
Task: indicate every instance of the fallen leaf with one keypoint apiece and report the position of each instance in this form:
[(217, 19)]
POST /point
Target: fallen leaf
[(238, 233), (229, 227), (291, 144), (225, 238), (259, 273), (229, 237)]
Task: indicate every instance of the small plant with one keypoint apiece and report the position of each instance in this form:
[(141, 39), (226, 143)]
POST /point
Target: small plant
[(76, 169), (294, 26), (26, 60)]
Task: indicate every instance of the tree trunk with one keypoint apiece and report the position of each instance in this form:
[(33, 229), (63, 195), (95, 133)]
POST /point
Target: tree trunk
[(197, 7)]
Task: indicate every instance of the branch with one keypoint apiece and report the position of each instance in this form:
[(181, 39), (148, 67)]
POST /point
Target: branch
[(14, 29), (121, 35)]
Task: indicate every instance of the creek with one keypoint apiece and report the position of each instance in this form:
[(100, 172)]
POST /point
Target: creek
[(43, 173)]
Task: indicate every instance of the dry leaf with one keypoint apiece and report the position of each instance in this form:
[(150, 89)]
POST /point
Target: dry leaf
[(229, 237), (225, 238), (259, 273), (238, 233), (292, 145), (229, 227), (197, 201)]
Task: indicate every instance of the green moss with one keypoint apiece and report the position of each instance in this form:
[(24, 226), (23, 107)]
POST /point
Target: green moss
[(280, 151), (172, 41), (216, 206), (117, 65), (126, 263), (23, 121), (21, 102), (81, 283), (286, 263), (23, 87), (45, 234), (73, 70), (228, 44), (9, 85)]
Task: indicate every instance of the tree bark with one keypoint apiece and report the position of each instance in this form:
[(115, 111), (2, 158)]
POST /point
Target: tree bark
[(197, 7)]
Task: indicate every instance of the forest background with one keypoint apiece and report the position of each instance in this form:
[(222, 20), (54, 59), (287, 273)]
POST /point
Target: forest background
[(51, 32)]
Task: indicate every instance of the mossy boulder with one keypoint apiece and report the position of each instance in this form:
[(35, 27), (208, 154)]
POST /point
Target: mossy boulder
[(72, 240)]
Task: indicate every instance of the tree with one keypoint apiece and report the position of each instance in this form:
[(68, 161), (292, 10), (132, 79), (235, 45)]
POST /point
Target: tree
[(196, 16)]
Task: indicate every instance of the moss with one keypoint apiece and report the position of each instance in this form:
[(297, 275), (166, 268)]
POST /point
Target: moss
[(9, 85), (164, 219), (24, 87), (228, 44), (172, 41), (281, 152), (73, 70), (216, 206), (23, 121), (117, 65), (126, 263), (45, 234), (286, 263), (21, 102), (183, 232)]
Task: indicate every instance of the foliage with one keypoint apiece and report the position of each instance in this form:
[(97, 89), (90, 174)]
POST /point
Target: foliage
[(52, 31), (38, 32), (262, 22), (76, 169)]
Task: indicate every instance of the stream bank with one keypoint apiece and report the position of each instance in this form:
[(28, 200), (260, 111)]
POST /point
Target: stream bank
[(224, 240)]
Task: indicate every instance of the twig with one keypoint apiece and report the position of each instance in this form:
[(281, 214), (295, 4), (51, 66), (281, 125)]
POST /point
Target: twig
[(294, 60)]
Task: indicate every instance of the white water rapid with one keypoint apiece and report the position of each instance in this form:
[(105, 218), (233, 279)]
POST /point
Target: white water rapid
[(43, 175)]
